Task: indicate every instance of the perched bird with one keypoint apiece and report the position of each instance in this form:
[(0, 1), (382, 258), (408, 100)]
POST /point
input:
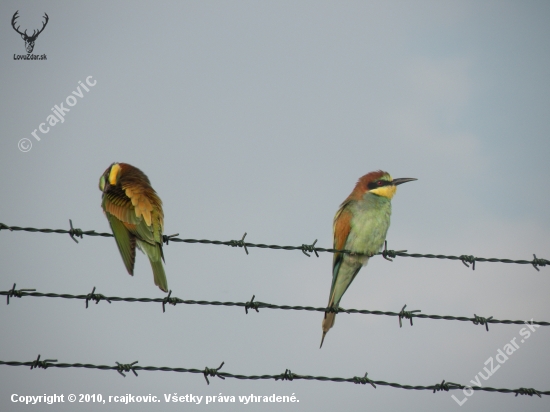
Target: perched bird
[(360, 225), (134, 212)]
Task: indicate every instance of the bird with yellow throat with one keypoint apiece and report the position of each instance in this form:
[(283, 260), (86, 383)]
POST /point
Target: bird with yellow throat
[(134, 212), (360, 226)]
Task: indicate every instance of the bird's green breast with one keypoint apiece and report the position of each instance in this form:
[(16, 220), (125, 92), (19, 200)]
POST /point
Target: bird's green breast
[(369, 224)]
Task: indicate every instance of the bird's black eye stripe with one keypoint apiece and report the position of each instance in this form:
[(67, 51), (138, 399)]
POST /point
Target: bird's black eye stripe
[(378, 183)]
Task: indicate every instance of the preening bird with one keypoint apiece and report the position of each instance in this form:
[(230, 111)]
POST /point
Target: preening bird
[(134, 212), (360, 225)]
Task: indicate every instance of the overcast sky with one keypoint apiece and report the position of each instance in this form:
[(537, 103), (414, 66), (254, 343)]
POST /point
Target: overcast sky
[(259, 117)]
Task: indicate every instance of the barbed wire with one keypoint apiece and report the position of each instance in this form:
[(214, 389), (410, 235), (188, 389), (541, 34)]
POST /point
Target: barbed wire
[(286, 376), (305, 248), (255, 305)]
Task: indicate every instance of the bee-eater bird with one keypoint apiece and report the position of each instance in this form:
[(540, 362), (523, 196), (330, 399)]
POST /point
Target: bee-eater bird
[(360, 225), (134, 212)]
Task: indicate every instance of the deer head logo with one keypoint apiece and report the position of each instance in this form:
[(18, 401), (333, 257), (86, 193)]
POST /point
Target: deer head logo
[(29, 40)]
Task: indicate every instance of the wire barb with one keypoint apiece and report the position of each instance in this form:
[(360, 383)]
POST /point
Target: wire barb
[(470, 259), (212, 373), (390, 254), (95, 296), (16, 293), (41, 364), (166, 238), (527, 391), (409, 314), (126, 367), (364, 380), (239, 243), (310, 248), (251, 305), (287, 376), (479, 320), (74, 232), (3, 226), (169, 300), (446, 386), (539, 262)]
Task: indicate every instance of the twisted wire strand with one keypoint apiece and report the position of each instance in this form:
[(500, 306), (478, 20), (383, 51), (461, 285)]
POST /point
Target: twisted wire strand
[(286, 376), (305, 248), (256, 305)]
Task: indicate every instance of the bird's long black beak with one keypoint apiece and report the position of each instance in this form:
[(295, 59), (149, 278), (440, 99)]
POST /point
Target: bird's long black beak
[(397, 182)]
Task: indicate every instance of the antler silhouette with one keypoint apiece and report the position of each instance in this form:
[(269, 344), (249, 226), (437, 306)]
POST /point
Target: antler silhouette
[(29, 40)]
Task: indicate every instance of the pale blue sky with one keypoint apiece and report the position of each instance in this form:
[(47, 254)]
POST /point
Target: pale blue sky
[(259, 117)]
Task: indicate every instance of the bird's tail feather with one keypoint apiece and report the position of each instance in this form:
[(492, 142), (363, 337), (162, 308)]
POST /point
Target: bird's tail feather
[(343, 277), (154, 253), (159, 275), (328, 320)]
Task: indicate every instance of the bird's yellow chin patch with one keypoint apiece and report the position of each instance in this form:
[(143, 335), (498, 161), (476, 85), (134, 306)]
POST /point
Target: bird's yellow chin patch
[(115, 170), (385, 191)]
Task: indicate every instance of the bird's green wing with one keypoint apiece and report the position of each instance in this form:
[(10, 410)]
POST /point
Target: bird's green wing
[(119, 211), (125, 241)]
